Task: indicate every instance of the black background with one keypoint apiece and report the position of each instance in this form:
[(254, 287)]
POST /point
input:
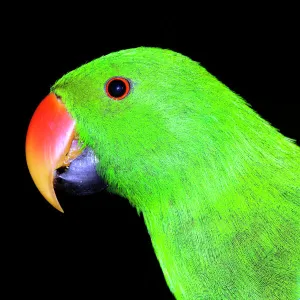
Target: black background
[(99, 248)]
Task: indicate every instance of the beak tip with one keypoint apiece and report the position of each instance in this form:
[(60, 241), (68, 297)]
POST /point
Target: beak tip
[(54, 202), (59, 208)]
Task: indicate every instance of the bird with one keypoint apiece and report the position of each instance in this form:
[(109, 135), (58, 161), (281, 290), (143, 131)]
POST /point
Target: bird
[(217, 185)]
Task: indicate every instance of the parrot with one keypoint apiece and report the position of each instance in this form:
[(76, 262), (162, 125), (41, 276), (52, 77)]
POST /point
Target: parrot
[(218, 186)]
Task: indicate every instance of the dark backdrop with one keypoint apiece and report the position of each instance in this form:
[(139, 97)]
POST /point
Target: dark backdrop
[(99, 248)]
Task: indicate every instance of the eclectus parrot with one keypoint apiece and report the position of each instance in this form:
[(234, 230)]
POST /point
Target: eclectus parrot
[(217, 185)]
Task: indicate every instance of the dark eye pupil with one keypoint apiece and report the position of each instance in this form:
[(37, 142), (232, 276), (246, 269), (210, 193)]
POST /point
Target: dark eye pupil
[(116, 88)]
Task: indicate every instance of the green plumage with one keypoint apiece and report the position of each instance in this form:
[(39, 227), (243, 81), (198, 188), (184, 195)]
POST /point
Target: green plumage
[(217, 185)]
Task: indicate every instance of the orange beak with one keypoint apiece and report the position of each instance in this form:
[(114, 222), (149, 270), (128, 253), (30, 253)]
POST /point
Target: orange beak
[(48, 141)]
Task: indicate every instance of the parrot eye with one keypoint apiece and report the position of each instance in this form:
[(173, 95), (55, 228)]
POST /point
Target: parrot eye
[(117, 88)]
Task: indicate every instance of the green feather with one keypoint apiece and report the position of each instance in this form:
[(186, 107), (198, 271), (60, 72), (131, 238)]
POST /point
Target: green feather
[(217, 185)]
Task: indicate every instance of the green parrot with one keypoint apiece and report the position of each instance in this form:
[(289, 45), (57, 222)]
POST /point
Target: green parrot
[(217, 185)]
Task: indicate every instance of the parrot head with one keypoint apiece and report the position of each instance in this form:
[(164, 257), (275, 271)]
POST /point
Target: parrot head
[(124, 122), (138, 122)]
